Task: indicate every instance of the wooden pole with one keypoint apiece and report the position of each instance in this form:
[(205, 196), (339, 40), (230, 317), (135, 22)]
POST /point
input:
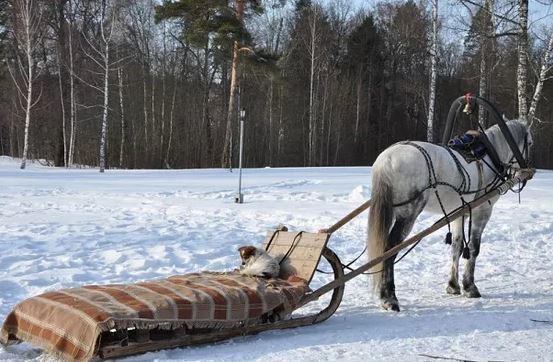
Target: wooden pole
[(347, 218), (523, 175)]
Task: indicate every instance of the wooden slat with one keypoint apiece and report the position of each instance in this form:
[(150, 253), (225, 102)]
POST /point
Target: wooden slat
[(304, 251)]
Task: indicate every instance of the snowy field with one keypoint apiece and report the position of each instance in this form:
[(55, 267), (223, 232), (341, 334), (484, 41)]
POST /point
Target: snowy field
[(61, 228)]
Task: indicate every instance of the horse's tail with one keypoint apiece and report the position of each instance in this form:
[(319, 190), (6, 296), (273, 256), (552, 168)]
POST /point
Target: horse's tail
[(381, 217)]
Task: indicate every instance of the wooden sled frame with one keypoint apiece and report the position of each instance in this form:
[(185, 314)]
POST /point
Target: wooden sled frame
[(302, 258)]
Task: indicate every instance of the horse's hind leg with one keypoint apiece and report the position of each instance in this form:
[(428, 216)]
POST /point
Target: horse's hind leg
[(480, 217), (456, 251), (402, 227)]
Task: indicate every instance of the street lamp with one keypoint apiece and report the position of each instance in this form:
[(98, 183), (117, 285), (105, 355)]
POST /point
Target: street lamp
[(240, 197)]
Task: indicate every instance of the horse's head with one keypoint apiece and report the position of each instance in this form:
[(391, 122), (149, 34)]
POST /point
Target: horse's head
[(521, 135)]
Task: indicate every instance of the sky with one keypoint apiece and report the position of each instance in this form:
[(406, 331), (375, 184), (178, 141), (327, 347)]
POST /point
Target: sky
[(540, 14)]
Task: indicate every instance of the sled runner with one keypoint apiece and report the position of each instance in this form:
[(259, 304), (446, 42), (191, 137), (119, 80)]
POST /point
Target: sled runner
[(118, 320)]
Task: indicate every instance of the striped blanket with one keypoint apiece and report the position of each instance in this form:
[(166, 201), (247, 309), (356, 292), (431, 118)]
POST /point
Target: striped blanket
[(69, 322)]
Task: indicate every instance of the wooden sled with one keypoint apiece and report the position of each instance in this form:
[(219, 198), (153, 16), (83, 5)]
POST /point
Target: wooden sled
[(304, 253), (113, 336)]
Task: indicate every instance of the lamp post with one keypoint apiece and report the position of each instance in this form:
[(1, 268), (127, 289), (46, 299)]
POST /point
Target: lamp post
[(240, 197)]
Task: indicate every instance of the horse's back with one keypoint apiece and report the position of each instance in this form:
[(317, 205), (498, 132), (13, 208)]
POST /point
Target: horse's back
[(409, 169)]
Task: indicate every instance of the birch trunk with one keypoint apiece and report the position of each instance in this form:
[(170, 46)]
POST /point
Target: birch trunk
[(152, 114), (103, 134), (271, 96), (30, 28), (122, 109), (522, 70), (483, 86), (73, 113), (280, 136), (433, 73), (106, 39), (145, 106), (312, 51), (171, 118), (62, 104), (545, 68), (163, 92), (357, 110), (29, 99)]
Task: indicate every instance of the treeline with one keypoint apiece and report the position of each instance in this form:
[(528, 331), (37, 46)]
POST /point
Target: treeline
[(139, 84)]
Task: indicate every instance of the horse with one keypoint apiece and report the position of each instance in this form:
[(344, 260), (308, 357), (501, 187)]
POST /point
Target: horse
[(409, 177)]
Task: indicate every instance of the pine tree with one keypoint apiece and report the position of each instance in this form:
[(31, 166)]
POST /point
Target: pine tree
[(206, 19)]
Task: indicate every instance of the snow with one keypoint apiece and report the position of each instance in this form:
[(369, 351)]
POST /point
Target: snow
[(64, 228)]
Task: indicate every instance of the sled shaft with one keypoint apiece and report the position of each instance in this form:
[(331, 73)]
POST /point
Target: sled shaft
[(343, 221)]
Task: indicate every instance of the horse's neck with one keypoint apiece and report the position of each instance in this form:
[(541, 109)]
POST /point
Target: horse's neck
[(502, 149)]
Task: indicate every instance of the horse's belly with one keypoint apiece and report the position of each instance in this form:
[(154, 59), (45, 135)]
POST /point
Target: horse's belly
[(449, 201)]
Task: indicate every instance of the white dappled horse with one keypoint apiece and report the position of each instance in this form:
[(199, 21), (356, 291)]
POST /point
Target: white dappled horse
[(410, 177)]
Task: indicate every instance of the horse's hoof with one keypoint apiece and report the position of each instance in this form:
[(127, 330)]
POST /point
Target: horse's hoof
[(453, 289), (471, 292), (390, 305)]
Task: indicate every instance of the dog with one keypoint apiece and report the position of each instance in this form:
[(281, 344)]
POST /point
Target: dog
[(257, 263)]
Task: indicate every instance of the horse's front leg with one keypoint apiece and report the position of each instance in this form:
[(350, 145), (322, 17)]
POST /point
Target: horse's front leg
[(456, 251), (480, 217)]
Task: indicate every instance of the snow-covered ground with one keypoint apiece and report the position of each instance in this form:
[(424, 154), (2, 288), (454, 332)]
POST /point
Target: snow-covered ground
[(64, 228)]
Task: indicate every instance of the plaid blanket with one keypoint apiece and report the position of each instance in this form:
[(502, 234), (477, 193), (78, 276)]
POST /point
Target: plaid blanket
[(69, 322)]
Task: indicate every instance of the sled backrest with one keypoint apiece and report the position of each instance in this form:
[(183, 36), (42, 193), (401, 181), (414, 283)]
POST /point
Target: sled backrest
[(300, 252)]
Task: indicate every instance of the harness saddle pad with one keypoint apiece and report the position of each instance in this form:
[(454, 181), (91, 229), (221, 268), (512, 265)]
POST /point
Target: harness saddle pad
[(69, 322)]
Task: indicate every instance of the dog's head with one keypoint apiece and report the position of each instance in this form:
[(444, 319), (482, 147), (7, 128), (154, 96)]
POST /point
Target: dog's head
[(246, 252)]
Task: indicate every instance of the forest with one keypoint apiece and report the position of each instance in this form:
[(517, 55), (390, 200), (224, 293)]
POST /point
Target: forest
[(164, 84)]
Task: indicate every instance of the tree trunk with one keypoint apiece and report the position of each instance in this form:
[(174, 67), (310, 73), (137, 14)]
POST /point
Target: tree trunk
[(72, 105), (122, 109), (103, 134), (145, 107), (522, 70), (234, 83), (357, 109), (271, 96), (433, 73), (311, 128), (62, 104), (485, 49), (106, 66), (163, 91), (30, 75), (171, 118), (545, 67)]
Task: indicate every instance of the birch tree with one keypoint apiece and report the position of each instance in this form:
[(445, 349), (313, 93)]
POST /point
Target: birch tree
[(99, 54), (433, 73), (313, 49), (27, 34), (545, 68), (522, 69), (486, 36), (73, 4)]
